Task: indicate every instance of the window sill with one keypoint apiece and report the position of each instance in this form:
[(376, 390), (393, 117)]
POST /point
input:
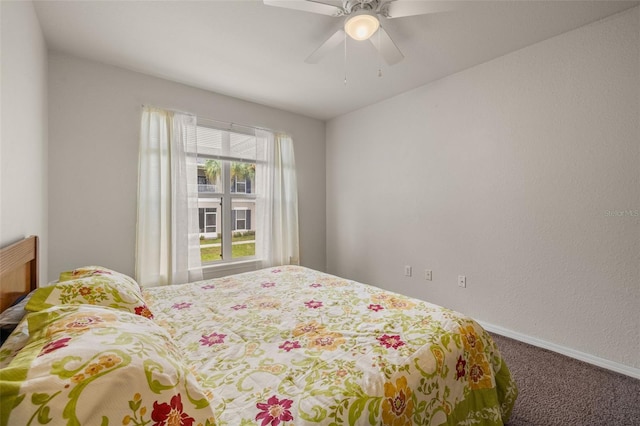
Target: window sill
[(224, 269)]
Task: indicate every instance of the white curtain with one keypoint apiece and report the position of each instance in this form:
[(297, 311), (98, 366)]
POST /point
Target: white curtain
[(167, 237), (277, 241)]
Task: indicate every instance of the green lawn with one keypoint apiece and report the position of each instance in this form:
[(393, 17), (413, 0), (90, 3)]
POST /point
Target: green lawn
[(212, 254)]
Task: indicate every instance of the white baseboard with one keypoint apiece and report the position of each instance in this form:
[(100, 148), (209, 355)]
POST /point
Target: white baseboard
[(591, 359)]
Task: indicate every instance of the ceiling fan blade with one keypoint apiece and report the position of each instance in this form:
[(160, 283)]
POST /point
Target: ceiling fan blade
[(402, 8), (326, 47), (387, 48), (307, 6)]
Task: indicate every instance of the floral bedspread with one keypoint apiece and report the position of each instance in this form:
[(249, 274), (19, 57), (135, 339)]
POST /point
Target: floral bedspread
[(292, 345)]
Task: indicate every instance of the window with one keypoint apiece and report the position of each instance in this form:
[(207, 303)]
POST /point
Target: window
[(208, 220), (226, 164), (172, 241), (241, 219), (239, 185)]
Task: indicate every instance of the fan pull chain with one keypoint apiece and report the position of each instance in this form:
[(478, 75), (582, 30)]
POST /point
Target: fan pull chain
[(379, 55), (345, 60)]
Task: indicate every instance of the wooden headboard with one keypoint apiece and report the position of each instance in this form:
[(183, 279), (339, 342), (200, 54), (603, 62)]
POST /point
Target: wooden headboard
[(18, 270)]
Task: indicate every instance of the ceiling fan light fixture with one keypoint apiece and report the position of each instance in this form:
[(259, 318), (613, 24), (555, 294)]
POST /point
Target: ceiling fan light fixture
[(361, 25)]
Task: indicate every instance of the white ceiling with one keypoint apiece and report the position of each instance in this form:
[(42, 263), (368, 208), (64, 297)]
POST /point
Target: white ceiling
[(247, 50)]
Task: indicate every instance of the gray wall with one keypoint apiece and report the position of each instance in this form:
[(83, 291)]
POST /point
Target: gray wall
[(23, 142), (510, 173), (93, 134)]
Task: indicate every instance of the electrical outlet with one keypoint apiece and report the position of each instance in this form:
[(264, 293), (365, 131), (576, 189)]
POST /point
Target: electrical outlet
[(462, 281), (407, 271), (427, 274)]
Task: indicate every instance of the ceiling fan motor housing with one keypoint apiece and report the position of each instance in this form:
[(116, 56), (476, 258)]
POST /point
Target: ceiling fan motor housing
[(351, 6)]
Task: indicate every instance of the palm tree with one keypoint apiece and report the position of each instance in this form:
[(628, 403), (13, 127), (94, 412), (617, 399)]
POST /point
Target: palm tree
[(212, 170), (242, 170), (239, 171)]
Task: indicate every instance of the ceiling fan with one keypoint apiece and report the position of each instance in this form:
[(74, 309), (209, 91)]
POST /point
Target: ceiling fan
[(361, 21)]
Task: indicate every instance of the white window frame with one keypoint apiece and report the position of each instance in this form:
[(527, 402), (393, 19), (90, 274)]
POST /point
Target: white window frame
[(226, 198), (244, 219), (243, 182), (214, 213)]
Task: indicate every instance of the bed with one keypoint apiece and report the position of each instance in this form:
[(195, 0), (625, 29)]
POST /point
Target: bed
[(285, 345)]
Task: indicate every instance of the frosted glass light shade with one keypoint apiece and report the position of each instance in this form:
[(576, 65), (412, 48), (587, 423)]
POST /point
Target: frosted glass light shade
[(361, 26)]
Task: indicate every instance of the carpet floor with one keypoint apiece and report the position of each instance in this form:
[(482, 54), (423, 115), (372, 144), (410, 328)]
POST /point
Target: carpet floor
[(558, 390)]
